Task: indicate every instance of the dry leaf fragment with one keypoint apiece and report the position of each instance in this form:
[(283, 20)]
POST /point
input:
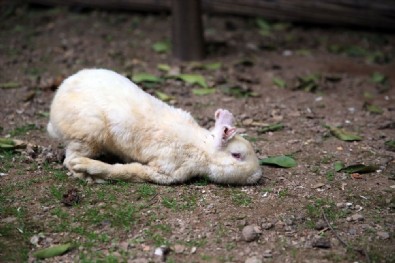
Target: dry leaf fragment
[(356, 176), (71, 197), (318, 185)]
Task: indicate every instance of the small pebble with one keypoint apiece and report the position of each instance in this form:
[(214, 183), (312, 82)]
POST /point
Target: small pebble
[(267, 253), (161, 252), (35, 239), (321, 242), (320, 224), (193, 250), (267, 226), (251, 233), (179, 248), (348, 205), (355, 217)]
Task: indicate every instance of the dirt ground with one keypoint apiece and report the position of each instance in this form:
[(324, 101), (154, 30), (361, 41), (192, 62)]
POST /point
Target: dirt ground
[(303, 77)]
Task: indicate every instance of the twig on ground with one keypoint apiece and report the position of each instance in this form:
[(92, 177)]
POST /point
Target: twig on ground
[(152, 201), (360, 251)]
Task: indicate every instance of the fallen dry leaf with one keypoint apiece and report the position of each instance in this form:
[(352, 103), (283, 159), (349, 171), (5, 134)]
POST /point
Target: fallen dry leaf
[(356, 176), (71, 197), (318, 185), (29, 96)]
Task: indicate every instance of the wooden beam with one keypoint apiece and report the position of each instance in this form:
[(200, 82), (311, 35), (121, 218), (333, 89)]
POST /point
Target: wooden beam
[(187, 30), (377, 14)]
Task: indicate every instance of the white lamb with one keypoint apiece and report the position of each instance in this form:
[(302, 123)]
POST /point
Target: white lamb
[(98, 111)]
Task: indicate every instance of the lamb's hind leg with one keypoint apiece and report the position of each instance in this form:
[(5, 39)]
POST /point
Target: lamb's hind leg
[(76, 149), (134, 172)]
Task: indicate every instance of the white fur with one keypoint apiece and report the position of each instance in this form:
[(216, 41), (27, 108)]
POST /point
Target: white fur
[(98, 111)]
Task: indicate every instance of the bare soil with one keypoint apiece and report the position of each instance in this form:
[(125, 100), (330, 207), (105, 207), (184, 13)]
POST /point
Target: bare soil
[(308, 213)]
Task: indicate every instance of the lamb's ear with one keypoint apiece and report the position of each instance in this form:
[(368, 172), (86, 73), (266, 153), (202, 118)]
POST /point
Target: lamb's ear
[(223, 134), (228, 132), (223, 130), (223, 117)]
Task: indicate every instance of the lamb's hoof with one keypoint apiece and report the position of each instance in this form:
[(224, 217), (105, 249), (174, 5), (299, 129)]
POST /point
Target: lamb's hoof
[(80, 165), (90, 168), (100, 181)]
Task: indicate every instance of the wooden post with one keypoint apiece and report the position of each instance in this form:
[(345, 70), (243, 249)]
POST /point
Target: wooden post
[(187, 31)]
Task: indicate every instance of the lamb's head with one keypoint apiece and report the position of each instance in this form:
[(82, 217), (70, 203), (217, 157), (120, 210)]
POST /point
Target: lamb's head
[(234, 160)]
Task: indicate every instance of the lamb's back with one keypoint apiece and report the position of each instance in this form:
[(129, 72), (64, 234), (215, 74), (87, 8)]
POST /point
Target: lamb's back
[(99, 103)]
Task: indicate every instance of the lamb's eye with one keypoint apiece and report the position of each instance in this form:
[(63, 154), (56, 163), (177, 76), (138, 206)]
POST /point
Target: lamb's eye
[(236, 156)]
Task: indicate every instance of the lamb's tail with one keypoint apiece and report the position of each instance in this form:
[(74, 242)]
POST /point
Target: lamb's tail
[(51, 130)]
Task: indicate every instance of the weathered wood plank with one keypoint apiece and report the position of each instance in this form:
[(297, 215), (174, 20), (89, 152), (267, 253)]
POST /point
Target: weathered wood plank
[(379, 14)]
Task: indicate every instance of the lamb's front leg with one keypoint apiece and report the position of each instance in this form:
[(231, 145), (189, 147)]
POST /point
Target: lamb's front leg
[(134, 172)]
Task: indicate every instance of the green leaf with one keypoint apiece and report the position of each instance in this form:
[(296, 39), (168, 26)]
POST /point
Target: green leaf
[(164, 67), (52, 251), (202, 92), (356, 51), (7, 144), (9, 85), (163, 96), (272, 127), (359, 168), (264, 27), (378, 78), (263, 24), (193, 79), (390, 145), (374, 109), (7, 141), (213, 66), (145, 77), (279, 82), (281, 161), (343, 134), (308, 83), (338, 166), (161, 46), (238, 92), (250, 138), (281, 26)]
